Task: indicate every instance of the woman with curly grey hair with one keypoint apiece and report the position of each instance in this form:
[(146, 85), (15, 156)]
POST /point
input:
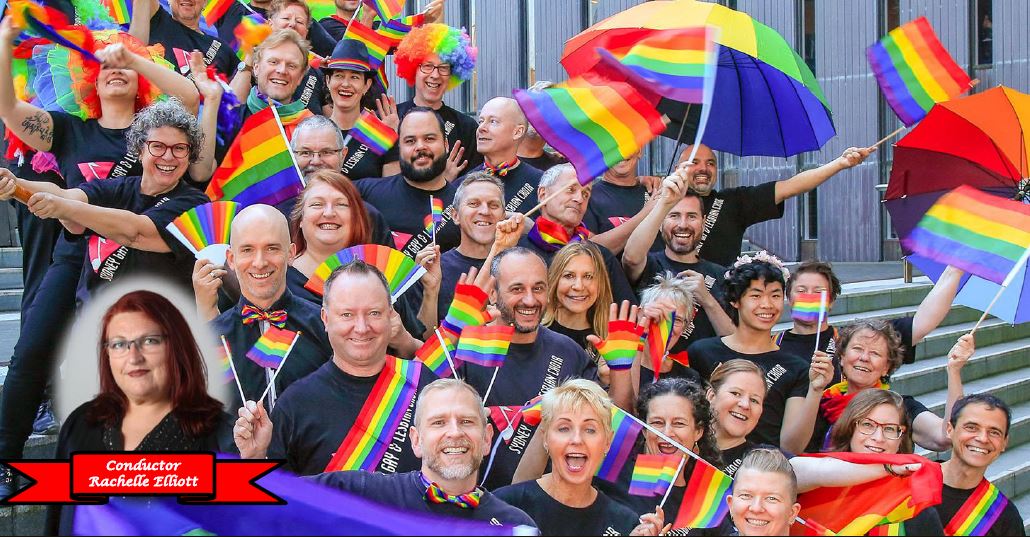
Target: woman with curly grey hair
[(127, 216)]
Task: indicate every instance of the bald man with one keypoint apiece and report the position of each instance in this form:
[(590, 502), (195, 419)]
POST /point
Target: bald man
[(502, 127), (259, 253), (730, 212)]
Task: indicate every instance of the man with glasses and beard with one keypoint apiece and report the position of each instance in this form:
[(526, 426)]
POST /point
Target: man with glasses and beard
[(405, 199), (451, 436)]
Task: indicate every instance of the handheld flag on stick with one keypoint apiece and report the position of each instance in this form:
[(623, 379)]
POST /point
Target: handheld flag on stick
[(396, 29), (807, 307), (249, 33), (435, 216), (914, 71), (51, 24), (653, 475), (372, 132), (658, 338), (822, 317), (377, 45), (281, 366), (120, 10), (229, 368), (704, 501), (625, 430), (435, 354), (214, 10), (467, 309), (271, 348), (531, 411), (484, 345), (387, 9)]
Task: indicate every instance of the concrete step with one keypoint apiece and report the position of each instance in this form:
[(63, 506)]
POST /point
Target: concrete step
[(1023, 505), (10, 278), (1011, 471), (957, 315), (930, 374), (875, 295), (10, 257), (1013, 387), (991, 331), (10, 300), (23, 520)]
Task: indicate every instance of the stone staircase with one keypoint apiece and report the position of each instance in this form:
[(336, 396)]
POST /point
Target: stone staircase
[(999, 367)]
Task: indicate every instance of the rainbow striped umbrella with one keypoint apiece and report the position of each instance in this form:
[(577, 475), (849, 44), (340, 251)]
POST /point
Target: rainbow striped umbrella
[(766, 101)]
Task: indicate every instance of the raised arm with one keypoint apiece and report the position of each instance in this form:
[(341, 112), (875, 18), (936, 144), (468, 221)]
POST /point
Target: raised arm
[(40, 189), (800, 414), (170, 82), (615, 239), (634, 257), (816, 472), (142, 12), (30, 123), (930, 430), (202, 170), (809, 179), (935, 307)]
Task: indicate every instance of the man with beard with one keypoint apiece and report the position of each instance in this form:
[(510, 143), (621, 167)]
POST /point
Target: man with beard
[(405, 199), (502, 127), (179, 32), (320, 419), (451, 436), (561, 222), (620, 202), (679, 215), (730, 212)]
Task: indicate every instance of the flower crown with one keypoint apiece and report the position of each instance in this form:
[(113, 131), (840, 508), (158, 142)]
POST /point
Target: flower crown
[(762, 256)]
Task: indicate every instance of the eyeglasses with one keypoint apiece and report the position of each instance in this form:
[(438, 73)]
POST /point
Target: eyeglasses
[(158, 149), (323, 154), (149, 344), (427, 68), (891, 431)]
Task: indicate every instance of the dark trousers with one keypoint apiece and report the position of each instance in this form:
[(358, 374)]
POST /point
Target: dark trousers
[(37, 242), (44, 323)]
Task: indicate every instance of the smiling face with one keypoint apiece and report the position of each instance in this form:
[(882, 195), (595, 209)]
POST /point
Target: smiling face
[(681, 229), (865, 360), (141, 376), (760, 306), (701, 175), (499, 132), (164, 172), (347, 87), (521, 291), (761, 503), (292, 17), (429, 88), (979, 435), (357, 319), (186, 11), (326, 221), (482, 206), (881, 419), (673, 415), (569, 205), (423, 147), (259, 252), (279, 71), (117, 84), (451, 437), (317, 141), (577, 285), (737, 404), (576, 441)]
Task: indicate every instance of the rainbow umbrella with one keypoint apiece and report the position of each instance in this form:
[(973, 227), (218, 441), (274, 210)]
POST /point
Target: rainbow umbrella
[(767, 101), (981, 140)]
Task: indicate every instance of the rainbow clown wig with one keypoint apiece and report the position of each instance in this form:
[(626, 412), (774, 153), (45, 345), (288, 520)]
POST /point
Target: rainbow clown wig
[(451, 45)]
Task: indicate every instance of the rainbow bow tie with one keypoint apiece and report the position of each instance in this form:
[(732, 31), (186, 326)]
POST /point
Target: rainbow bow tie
[(434, 494), (501, 169), (276, 318)]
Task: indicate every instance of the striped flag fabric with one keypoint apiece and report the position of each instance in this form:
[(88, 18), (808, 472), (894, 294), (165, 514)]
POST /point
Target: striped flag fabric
[(433, 354), (674, 63), (435, 215), (224, 366), (594, 121), (619, 350), (972, 230), (378, 46), (387, 9), (120, 10), (372, 132), (396, 29), (807, 307), (653, 474), (258, 167), (625, 430), (214, 10), (979, 512), (915, 71), (52, 25), (272, 347), (484, 345), (531, 411), (658, 337), (704, 501)]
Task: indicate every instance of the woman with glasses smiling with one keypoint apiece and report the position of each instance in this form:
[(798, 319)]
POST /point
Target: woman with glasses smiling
[(153, 390)]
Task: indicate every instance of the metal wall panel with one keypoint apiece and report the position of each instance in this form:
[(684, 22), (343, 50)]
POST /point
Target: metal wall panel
[(498, 28)]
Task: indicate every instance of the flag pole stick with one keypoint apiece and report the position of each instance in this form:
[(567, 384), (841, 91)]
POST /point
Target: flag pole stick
[(1020, 265), (446, 354), (679, 140), (281, 366), (889, 136), (228, 354), (665, 437), (679, 470), (282, 132), (822, 317), (352, 17), (490, 387), (549, 197)]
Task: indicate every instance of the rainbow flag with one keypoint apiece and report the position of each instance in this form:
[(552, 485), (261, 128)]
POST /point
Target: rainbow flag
[(204, 225), (654, 474), (51, 24), (704, 501), (808, 307), (676, 64), (531, 411), (377, 45), (811, 527), (396, 29), (915, 71), (979, 233), (258, 167), (120, 10), (249, 33), (625, 429), (433, 354), (435, 216), (896, 528), (215, 10), (387, 9), (272, 347), (658, 337), (484, 345), (371, 131), (467, 309), (321, 9), (368, 438), (224, 365), (979, 512), (620, 349), (596, 123)]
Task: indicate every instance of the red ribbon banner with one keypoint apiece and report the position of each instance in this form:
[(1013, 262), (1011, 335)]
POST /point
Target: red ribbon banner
[(193, 477)]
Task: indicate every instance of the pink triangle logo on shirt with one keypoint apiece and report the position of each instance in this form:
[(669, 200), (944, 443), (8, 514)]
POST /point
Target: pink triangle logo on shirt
[(99, 250), (400, 239), (183, 59), (618, 220), (95, 170)]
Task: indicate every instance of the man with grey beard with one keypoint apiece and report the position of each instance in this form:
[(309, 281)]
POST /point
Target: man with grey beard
[(451, 436), (404, 199)]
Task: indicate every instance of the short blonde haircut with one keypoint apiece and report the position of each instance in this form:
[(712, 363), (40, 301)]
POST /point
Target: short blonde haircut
[(279, 37), (771, 461), (575, 394), (447, 384)]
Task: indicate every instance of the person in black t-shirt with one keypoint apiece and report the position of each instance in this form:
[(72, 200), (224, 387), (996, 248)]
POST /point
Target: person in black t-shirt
[(753, 295), (179, 32), (620, 200), (318, 417), (763, 499), (533, 149), (561, 222), (818, 276), (451, 436), (405, 199), (322, 43), (679, 214), (577, 432), (668, 296), (736, 393), (579, 295), (348, 79), (422, 62), (731, 211), (502, 127)]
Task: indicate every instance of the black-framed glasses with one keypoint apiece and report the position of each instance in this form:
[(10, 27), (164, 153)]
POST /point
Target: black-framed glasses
[(148, 344), (868, 427), (427, 68), (158, 149), (323, 154)]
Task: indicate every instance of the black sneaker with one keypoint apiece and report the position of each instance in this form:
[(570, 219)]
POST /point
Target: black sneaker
[(45, 422)]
